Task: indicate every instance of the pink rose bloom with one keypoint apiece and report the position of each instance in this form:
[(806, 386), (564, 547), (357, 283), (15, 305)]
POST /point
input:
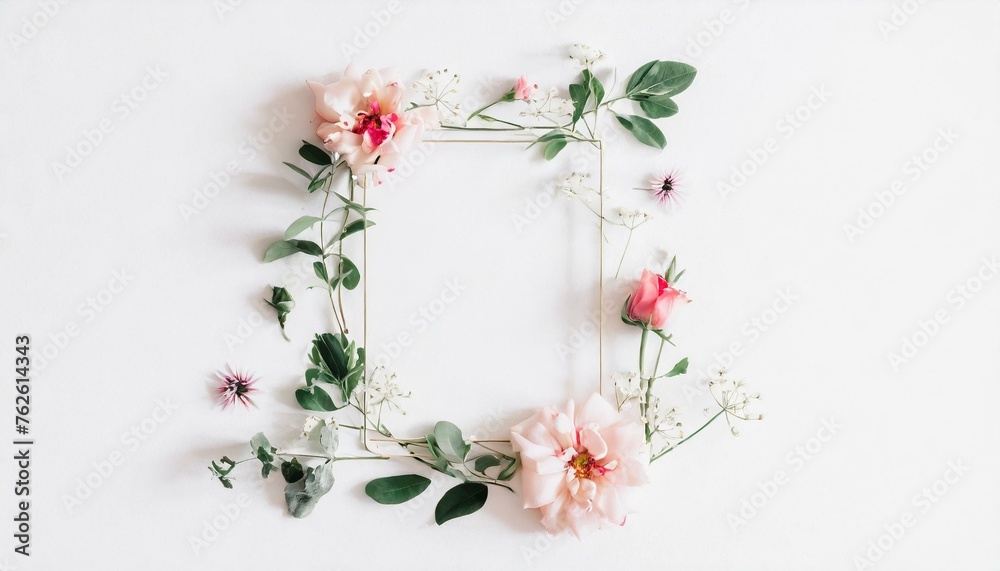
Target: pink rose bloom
[(653, 300), (364, 121), (581, 468), (524, 90)]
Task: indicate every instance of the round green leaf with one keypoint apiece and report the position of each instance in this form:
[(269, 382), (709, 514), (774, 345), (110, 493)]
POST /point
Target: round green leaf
[(462, 500), (396, 489)]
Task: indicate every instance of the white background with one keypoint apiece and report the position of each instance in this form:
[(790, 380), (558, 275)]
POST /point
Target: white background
[(192, 282)]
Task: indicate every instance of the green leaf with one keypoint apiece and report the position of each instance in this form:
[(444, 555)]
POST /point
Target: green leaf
[(658, 107), (357, 207), (578, 94), (291, 471), (450, 440), (552, 149), (298, 170), (282, 303), (679, 369), (320, 269), (643, 130), (594, 85), (331, 350), (263, 450), (314, 154), (664, 336), (284, 248), (349, 275), (356, 226), (315, 398), (396, 489), (462, 500), (625, 318), (300, 226), (329, 438), (663, 78), (302, 495), (638, 76), (486, 462), (508, 471)]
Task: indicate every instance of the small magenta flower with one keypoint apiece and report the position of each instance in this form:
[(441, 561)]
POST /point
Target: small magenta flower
[(235, 385), (664, 187)]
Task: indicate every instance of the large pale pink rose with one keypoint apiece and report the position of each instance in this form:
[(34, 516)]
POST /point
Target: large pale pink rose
[(653, 301), (581, 467), (363, 119)]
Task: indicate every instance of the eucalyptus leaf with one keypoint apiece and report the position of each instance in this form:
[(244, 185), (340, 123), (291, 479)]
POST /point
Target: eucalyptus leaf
[(349, 276), (329, 438), (302, 495), (315, 398), (450, 440), (356, 226), (314, 154), (462, 500), (509, 470), (298, 170), (320, 270), (284, 248), (658, 107), (291, 471), (679, 369), (578, 94), (552, 149), (396, 489), (644, 130), (485, 462)]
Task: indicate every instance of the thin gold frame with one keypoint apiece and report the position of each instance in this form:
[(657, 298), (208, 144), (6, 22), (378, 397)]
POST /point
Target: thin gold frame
[(364, 289)]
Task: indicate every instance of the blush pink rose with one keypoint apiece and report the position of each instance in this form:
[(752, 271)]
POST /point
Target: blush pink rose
[(524, 90), (363, 119), (653, 301), (581, 468)]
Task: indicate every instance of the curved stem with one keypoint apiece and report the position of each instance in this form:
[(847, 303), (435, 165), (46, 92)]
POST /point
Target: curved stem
[(690, 436), (322, 241), (622, 260)]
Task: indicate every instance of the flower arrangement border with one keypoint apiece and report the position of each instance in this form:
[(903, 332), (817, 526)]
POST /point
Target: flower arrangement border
[(365, 130)]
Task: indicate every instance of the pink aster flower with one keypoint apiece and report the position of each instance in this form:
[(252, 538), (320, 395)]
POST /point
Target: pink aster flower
[(235, 386), (581, 468), (524, 90), (363, 119), (664, 187)]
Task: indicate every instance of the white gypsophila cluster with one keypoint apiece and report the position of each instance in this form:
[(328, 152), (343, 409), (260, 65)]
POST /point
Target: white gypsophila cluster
[(664, 421), (382, 389), (629, 389), (576, 186), (632, 218), (440, 89), (734, 399), (314, 422), (584, 56), (548, 105)]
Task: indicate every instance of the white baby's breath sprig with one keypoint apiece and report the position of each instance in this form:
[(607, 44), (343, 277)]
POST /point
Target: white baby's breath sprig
[(548, 105), (628, 389), (382, 389), (584, 56), (439, 89)]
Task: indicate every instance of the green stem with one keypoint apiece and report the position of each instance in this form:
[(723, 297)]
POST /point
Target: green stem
[(643, 406), (625, 251), (649, 390), (690, 436), (322, 240)]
